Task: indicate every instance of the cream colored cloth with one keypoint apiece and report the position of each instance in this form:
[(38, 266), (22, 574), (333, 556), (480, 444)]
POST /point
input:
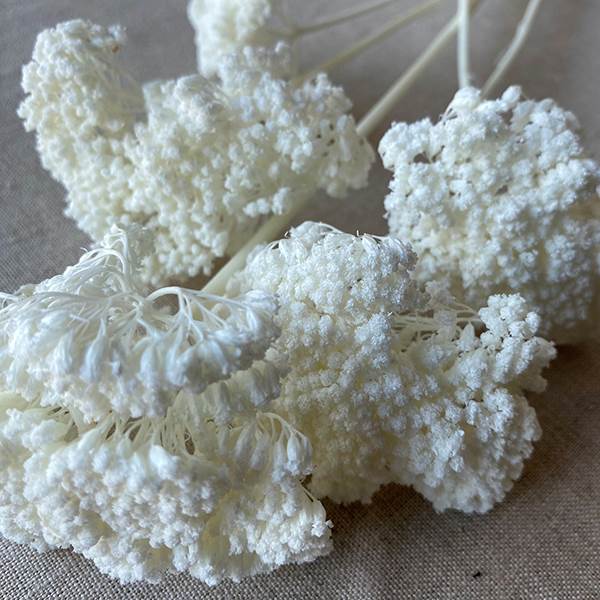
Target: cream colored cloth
[(544, 541)]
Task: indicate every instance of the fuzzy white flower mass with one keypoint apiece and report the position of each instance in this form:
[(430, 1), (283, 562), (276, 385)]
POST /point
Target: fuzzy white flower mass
[(499, 197), (390, 388), (170, 431), (91, 339), (186, 492), (196, 161), (143, 436), (226, 26)]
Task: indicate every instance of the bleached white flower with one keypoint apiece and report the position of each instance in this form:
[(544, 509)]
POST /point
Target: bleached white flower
[(390, 387), (192, 491), (140, 433), (225, 26), (200, 163), (92, 340), (496, 197)]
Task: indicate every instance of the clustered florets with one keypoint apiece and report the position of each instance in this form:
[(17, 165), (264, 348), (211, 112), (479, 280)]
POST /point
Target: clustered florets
[(91, 338), (498, 197), (389, 387), (223, 27), (149, 461), (197, 162), (142, 498), (170, 430)]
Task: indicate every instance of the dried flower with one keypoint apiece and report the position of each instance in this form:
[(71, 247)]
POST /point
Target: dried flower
[(200, 163), (499, 197), (390, 387), (91, 340)]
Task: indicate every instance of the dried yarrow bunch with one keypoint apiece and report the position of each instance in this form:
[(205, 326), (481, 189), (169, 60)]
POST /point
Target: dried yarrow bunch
[(392, 384), (91, 338), (499, 196), (166, 429), (224, 27)]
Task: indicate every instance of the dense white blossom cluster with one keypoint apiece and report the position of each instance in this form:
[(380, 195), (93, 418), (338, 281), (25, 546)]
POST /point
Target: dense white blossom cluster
[(145, 497), (389, 386), (497, 197), (92, 340), (196, 161), (226, 26), (161, 479), (468, 426)]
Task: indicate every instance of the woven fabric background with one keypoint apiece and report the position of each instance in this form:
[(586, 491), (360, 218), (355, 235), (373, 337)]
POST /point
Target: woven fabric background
[(544, 541)]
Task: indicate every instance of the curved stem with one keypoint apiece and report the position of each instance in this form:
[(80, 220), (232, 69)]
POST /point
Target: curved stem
[(463, 44), (371, 39), (515, 45)]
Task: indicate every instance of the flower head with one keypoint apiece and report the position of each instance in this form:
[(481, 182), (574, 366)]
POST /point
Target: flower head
[(390, 386), (497, 197), (92, 340), (137, 428), (226, 26), (196, 490), (199, 163)]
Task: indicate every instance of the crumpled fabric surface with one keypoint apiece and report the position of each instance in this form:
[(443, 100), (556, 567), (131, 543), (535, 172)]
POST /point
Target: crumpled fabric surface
[(544, 540)]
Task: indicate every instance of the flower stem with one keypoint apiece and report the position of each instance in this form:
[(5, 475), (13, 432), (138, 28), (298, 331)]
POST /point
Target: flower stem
[(463, 44), (272, 228), (383, 106), (343, 17), (371, 39), (514, 47)]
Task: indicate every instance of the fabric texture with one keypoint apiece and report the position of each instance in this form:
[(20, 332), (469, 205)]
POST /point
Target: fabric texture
[(544, 540)]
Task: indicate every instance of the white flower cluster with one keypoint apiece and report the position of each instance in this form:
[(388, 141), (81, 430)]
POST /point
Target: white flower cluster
[(226, 26), (498, 197), (106, 447), (468, 427), (389, 388), (90, 339), (145, 497), (197, 162), (170, 430)]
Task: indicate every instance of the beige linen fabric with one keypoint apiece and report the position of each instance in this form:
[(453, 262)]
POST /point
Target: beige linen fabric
[(544, 541)]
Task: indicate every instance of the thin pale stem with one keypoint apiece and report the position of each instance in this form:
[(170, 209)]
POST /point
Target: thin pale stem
[(463, 44), (380, 110), (343, 17), (514, 47), (371, 39), (273, 227), (270, 230)]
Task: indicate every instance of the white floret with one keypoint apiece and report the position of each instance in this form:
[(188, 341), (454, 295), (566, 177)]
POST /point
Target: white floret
[(499, 197), (91, 339), (199, 162), (225, 26), (18, 517), (141, 498), (389, 388), (467, 427), (337, 296)]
